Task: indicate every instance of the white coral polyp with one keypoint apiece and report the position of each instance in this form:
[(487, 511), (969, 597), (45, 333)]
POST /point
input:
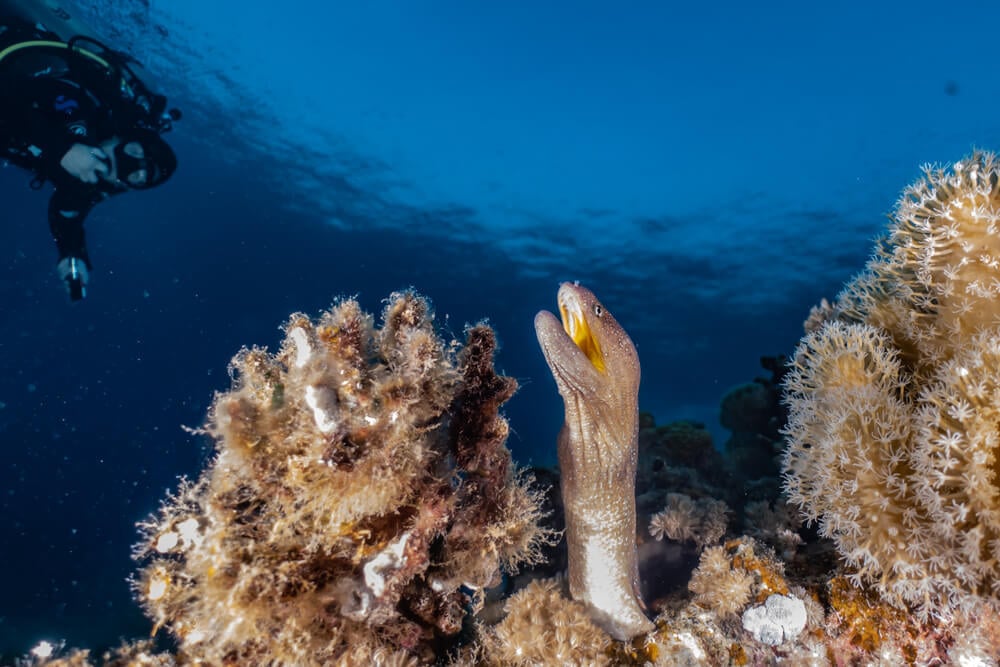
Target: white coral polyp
[(387, 560), (303, 351), (323, 402)]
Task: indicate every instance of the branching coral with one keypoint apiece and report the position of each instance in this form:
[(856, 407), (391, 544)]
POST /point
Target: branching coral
[(361, 499), (895, 401)]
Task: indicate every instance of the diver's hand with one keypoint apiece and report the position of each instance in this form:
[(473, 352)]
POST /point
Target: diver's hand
[(86, 163), (73, 272)]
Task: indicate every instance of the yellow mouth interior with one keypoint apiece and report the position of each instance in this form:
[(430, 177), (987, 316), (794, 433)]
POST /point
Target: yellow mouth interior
[(576, 326)]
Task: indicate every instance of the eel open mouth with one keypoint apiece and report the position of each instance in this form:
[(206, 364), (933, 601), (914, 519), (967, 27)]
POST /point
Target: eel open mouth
[(574, 321)]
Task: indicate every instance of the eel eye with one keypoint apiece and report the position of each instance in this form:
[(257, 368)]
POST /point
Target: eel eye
[(598, 311)]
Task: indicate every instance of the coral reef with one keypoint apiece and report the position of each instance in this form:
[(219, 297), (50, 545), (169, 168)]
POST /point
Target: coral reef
[(894, 402), (731, 581), (543, 627), (774, 523), (701, 521), (718, 585), (361, 500), (362, 508), (730, 576), (747, 408), (681, 443), (132, 654), (678, 456), (742, 599), (753, 412), (861, 628)]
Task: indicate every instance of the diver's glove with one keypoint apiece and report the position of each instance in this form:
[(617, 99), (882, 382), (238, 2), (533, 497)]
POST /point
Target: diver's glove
[(87, 163), (73, 272)]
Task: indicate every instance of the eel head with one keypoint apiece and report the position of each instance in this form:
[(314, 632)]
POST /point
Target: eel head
[(589, 352)]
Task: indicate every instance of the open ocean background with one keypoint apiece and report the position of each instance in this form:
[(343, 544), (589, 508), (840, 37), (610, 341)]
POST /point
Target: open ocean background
[(710, 172)]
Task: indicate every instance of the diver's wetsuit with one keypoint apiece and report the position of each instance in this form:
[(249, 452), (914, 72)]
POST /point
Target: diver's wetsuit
[(43, 112)]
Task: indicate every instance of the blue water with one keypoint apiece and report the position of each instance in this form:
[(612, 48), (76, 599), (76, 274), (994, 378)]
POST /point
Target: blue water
[(709, 173)]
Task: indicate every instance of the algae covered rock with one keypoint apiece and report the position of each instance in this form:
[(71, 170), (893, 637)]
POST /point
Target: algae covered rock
[(361, 498)]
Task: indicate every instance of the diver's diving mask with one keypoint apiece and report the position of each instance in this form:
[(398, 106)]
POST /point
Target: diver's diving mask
[(131, 166), (143, 160)]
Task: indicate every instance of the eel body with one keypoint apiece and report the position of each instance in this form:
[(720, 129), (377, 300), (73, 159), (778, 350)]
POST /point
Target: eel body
[(596, 369)]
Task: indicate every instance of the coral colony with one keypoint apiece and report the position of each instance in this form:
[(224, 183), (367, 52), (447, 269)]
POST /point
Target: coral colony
[(361, 502), (895, 402), (362, 508)]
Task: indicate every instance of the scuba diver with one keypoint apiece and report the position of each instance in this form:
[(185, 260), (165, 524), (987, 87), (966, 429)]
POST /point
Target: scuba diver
[(75, 113)]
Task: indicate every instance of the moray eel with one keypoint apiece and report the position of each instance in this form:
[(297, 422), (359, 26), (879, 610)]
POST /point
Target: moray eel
[(596, 369)]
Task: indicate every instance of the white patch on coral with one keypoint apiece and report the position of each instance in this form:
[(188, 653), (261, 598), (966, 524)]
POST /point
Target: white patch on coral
[(189, 532), (388, 559), (231, 629), (157, 587), (43, 650), (780, 619), (167, 541), (357, 598), (303, 351), (967, 660), (691, 644), (323, 403)]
